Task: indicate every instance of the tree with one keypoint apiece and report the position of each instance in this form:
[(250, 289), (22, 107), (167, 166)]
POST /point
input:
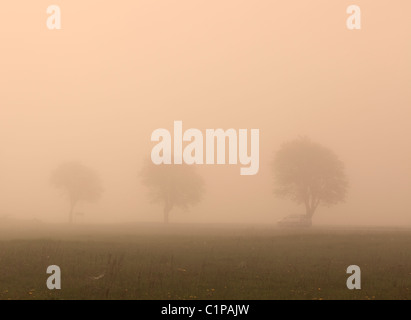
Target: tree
[(309, 174), (172, 185), (78, 182)]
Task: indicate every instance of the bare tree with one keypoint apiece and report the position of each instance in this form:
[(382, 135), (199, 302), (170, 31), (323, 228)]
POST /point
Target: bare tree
[(78, 182), (172, 185), (309, 174)]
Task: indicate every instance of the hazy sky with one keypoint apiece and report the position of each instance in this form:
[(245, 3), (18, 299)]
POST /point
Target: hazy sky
[(95, 90)]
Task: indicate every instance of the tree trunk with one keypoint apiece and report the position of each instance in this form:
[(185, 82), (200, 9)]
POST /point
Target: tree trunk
[(310, 208), (309, 212), (71, 213), (168, 205), (166, 214)]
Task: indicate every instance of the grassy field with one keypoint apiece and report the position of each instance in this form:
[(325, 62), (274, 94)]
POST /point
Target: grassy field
[(210, 262)]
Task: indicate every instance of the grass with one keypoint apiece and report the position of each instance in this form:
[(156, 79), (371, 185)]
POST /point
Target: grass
[(188, 262)]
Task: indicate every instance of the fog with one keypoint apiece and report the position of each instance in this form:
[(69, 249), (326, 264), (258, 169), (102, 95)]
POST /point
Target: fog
[(95, 91)]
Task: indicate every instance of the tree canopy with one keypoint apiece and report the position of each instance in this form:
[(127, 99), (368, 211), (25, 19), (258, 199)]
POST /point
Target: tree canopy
[(78, 182), (172, 185), (310, 174)]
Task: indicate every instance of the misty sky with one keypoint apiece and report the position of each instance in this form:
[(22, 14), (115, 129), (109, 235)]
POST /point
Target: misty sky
[(95, 90)]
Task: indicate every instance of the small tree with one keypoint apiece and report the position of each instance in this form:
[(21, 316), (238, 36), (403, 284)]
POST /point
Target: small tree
[(78, 182), (309, 174), (172, 185)]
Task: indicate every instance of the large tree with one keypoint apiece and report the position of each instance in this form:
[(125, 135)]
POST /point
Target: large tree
[(78, 182), (309, 174), (172, 185)]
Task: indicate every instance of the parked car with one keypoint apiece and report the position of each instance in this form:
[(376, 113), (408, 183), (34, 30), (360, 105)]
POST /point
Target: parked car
[(296, 220)]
